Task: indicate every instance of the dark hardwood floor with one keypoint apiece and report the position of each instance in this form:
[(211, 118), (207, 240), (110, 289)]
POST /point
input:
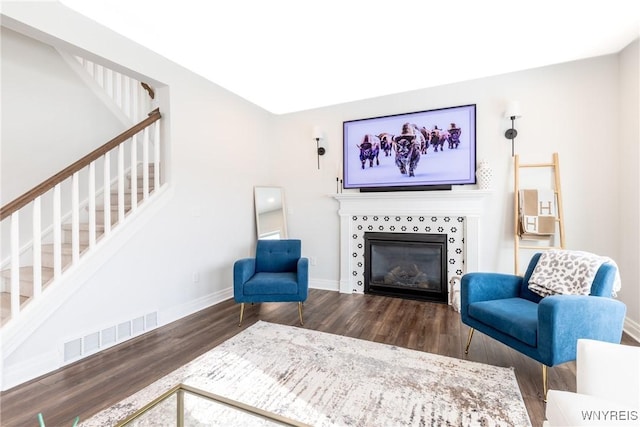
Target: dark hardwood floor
[(95, 383)]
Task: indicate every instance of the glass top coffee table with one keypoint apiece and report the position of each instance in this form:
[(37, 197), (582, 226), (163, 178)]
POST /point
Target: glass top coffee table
[(186, 406)]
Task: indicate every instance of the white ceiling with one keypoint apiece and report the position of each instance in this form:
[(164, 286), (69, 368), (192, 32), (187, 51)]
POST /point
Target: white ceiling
[(292, 55)]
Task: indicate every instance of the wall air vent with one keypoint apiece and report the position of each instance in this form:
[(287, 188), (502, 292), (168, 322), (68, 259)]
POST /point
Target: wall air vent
[(73, 349), (93, 342)]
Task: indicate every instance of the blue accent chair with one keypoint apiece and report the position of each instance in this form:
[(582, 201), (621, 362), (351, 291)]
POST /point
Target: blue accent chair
[(278, 273), (545, 329)]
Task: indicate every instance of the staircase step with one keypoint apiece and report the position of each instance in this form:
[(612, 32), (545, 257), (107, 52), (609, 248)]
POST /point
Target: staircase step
[(140, 183), (5, 306), (26, 278), (140, 177), (152, 168), (84, 232), (113, 207), (83, 227), (127, 194), (127, 197), (66, 249), (114, 212), (66, 252)]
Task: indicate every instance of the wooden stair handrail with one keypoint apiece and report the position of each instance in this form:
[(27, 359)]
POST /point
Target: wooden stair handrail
[(65, 173), (149, 89)]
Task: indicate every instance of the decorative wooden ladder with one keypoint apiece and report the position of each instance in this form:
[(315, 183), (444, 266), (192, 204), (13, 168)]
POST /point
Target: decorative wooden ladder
[(554, 165)]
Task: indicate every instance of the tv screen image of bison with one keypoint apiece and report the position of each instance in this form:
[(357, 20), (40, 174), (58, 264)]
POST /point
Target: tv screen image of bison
[(421, 149)]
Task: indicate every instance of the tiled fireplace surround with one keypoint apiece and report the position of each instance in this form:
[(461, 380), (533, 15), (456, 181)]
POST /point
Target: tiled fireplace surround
[(455, 213)]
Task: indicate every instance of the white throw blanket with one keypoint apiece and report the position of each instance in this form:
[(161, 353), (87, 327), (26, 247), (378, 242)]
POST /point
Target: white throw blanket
[(562, 272), (538, 213)]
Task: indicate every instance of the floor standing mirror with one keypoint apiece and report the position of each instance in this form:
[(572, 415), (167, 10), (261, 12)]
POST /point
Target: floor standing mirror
[(270, 213)]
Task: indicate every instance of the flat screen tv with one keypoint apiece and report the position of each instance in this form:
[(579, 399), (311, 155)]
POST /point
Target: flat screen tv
[(423, 150)]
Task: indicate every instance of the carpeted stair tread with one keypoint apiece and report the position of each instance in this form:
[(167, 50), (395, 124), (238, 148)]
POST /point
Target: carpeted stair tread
[(83, 226), (5, 306), (26, 278), (66, 248)]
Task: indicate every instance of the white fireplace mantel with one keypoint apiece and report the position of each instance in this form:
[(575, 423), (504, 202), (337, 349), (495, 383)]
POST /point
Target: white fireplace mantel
[(459, 203)]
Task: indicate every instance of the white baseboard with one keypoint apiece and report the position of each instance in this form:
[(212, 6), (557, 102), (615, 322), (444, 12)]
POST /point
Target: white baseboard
[(23, 371), (178, 312), (325, 285), (632, 328), (26, 370)]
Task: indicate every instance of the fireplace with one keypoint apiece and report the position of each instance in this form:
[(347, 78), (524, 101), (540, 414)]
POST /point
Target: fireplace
[(455, 213), (407, 265)]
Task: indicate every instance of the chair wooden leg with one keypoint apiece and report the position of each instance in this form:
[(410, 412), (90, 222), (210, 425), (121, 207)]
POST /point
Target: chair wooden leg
[(545, 382), (300, 312), (466, 350), (241, 313)]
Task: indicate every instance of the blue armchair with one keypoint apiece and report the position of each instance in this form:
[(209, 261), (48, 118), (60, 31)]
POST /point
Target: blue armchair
[(278, 273), (545, 329)]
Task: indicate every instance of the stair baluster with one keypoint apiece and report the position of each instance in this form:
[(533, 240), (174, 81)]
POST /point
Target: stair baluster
[(92, 204), (107, 195), (58, 241), (134, 173), (15, 264), (37, 247)]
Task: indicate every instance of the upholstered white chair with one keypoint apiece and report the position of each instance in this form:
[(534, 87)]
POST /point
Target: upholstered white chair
[(608, 388)]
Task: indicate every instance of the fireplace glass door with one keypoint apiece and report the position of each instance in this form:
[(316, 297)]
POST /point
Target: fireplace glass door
[(406, 265)]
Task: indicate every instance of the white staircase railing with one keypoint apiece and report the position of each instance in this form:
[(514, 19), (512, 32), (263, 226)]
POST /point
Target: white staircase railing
[(57, 221), (133, 97)]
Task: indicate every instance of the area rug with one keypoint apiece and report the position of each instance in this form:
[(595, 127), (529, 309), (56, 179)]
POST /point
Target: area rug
[(329, 380)]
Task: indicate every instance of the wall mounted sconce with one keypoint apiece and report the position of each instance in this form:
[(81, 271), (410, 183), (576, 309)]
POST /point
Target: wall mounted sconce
[(317, 135), (512, 112)]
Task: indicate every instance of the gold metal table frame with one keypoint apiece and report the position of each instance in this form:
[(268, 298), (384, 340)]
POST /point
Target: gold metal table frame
[(146, 413)]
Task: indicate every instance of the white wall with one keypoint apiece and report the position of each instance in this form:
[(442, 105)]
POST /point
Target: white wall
[(629, 183), (571, 108), (50, 118)]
